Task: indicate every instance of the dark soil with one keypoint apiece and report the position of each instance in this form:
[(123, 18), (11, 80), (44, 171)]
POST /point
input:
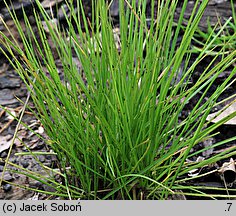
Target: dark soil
[(13, 91)]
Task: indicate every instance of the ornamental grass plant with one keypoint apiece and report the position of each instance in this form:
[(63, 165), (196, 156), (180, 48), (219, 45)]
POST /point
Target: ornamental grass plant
[(115, 123)]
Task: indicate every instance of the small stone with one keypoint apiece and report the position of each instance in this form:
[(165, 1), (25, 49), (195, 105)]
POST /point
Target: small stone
[(1, 168), (13, 160), (38, 185), (7, 187), (3, 154), (41, 158), (16, 176), (48, 157), (24, 163), (7, 176), (37, 167), (48, 188)]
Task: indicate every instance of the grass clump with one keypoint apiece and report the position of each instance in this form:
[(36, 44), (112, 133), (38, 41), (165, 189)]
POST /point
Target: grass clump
[(115, 123), (222, 39)]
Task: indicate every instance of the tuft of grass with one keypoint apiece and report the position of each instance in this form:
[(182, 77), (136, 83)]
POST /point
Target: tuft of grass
[(115, 123), (222, 39)]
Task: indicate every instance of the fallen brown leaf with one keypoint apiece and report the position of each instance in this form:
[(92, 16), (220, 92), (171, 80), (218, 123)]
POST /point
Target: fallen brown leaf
[(214, 118), (5, 142)]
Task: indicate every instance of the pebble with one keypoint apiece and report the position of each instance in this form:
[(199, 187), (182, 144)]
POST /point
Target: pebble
[(41, 158), (39, 146), (3, 154), (34, 184), (8, 176), (48, 157), (7, 187), (16, 176), (24, 163), (13, 160), (49, 188)]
